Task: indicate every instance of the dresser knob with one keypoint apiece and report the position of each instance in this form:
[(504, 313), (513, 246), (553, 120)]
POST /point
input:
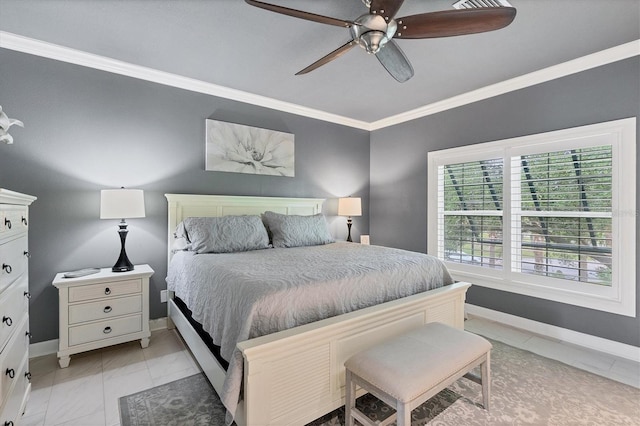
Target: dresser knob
[(7, 268), (28, 335), (107, 309), (10, 372), (26, 253), (24, 220), (28, 375), (7, 223), (107, 330), (107, 291), (27, 295), (8, 320), (8, 423)]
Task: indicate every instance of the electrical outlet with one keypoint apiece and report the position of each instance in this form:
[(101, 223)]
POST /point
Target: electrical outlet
[(163, 296)]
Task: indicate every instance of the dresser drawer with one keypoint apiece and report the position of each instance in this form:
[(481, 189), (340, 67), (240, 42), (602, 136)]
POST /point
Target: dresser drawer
[(108, 308), (12, 358), (11, 410), (13, 220), (104, 329), (108, 289), (12, 309), (14, 261)]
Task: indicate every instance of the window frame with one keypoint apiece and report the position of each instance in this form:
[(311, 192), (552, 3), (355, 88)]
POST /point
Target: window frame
[(620, 297)]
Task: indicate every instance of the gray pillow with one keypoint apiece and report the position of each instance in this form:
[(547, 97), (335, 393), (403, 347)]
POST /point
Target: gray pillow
[(297, 231), (226, 234)]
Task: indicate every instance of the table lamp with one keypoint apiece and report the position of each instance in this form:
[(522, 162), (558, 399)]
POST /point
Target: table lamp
[(122, 204), (350, 206)]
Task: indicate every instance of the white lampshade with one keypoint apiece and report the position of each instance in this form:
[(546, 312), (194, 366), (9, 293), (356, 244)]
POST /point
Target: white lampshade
[(351, 206), (121, 203)]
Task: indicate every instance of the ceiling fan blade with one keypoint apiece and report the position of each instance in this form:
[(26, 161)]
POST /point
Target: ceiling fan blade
[(386, 8), (328, 58), (300, 14), (395, 61), (449, 23)]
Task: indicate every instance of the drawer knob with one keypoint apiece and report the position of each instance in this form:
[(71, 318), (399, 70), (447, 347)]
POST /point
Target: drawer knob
[(26, 254), (27, 295), (10, 372), (107, 291), (7, 223), (28, 335), (7, 320), (28, 375), (8, 423), (107, 309), (24, 220), (107, 330), (7, 268)]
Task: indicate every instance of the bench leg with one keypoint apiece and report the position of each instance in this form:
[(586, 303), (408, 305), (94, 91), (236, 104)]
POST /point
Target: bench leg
[(349, 398), (403, 414), (486, 381)]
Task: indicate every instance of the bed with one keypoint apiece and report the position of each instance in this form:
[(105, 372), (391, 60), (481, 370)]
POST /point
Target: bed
[(296, 375)]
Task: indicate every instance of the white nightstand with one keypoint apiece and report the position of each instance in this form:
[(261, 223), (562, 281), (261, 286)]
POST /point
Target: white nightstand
[(103, 309)]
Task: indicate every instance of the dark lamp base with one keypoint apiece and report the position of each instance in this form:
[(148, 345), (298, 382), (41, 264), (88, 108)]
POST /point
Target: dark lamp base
[(122, 268), (123, 264)]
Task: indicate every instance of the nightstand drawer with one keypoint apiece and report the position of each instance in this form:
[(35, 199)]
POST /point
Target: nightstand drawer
[(104, 329), (108, 308), (14, 261), (108, 289)]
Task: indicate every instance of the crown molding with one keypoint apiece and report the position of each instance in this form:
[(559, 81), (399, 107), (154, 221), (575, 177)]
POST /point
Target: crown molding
[(607, 56), (73, 56), (60, 53)]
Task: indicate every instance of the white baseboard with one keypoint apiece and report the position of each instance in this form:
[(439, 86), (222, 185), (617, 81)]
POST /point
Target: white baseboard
[(43, 348), (158, 324), (51, 346), (610, 347)]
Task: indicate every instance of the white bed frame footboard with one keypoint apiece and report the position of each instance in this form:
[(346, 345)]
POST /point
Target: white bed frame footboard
[(295, 376)]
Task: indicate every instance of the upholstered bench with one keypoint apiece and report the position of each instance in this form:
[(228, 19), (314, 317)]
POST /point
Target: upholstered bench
[(409, 369)]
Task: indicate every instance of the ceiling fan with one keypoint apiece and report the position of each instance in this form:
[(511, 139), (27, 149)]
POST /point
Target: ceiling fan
[(375, 31)]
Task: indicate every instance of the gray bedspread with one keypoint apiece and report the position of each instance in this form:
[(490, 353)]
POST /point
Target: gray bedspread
[(239, 296)]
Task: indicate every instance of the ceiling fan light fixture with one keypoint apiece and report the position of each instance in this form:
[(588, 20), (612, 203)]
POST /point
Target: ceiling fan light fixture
[(372, 32), (372, 41)]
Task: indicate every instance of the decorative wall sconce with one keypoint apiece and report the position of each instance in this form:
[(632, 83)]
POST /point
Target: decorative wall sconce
[(5, 123)]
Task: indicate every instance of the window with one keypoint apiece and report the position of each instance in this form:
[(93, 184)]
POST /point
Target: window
[(549, 215)]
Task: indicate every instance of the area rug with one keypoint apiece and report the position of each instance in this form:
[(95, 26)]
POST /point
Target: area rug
[(527, 389)]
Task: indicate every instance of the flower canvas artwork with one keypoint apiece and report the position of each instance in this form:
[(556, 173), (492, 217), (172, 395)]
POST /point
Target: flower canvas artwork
[(243, 149)]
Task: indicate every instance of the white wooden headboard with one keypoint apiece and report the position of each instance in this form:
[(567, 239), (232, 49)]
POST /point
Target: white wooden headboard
[(182, 206)]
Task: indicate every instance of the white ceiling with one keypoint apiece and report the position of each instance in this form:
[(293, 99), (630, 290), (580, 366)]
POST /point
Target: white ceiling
[(234, 45)]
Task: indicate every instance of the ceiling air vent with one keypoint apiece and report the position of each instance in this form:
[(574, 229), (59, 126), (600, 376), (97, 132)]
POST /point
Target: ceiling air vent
[(475, 4)]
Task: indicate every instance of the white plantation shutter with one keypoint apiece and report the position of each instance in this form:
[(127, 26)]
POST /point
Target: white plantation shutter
[(471, 212), (551, 215), (561, 214)]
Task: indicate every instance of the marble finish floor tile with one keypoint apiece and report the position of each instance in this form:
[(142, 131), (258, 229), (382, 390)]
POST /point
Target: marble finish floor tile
[(86, 393)]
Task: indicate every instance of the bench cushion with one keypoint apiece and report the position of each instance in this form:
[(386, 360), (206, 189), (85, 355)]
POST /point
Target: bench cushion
[(408, 365)]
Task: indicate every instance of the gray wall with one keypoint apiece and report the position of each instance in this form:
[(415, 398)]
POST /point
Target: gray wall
[(398, 214), (87, 130)]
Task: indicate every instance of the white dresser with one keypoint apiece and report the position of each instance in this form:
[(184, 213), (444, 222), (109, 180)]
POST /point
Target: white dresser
[(14, 305), (102, 309)]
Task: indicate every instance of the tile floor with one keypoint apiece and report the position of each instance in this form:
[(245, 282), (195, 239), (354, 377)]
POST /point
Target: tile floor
[(86, 393)]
